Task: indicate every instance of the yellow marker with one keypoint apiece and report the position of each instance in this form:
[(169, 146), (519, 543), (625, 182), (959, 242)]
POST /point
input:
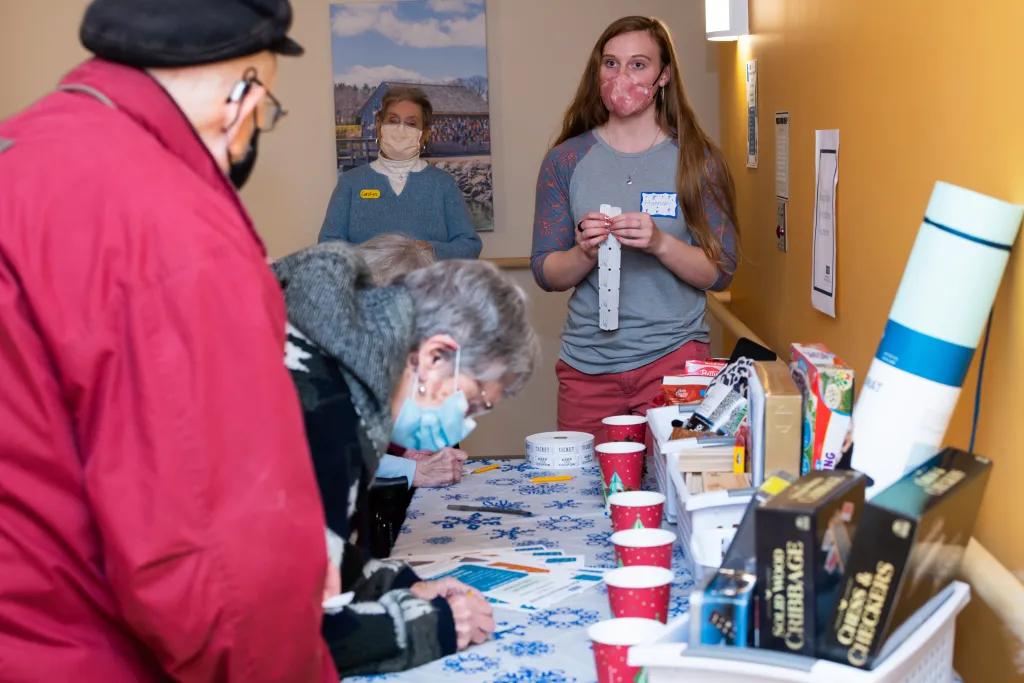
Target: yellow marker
[(547, 480), (486, 469), (369, 194)]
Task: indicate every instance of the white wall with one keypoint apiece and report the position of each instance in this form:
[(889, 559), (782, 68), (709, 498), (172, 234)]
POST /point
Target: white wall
[(536, 53)]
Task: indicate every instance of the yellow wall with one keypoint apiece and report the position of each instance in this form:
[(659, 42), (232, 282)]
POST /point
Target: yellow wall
[(920, 91)]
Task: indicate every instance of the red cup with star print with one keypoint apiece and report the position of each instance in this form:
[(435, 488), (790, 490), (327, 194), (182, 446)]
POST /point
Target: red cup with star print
[(612, 640), (622, 466), (639, 591), (629, 428), (636, 510), (647, 547)]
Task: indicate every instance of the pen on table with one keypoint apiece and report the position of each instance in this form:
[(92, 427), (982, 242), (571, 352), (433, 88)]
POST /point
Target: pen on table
[(484, 508), (486, 469), (547, 480)]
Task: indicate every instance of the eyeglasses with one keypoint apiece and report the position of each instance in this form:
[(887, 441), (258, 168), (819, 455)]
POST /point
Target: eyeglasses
[(273, 111)]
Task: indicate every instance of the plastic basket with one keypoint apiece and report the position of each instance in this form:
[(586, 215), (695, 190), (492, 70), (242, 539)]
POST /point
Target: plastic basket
[(659, 422), (690, 513), (924, 655)]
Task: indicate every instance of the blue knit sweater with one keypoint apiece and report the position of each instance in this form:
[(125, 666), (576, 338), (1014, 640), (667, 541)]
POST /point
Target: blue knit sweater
[(431, 208)]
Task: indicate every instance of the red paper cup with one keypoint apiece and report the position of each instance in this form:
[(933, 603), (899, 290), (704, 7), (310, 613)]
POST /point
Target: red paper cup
[(639, 592), (636, 510), (612, 640), (622, 466), (629, 428), (646, 547)]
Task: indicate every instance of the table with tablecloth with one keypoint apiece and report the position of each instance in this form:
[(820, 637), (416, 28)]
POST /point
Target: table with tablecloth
[(547, 646)]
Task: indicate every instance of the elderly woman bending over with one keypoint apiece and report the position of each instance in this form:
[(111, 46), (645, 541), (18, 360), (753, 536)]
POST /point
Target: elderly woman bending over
[(389, 257), (411, 363)]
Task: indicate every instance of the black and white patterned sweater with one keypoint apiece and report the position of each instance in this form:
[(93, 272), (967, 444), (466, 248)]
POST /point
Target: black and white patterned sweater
[(385, 628)]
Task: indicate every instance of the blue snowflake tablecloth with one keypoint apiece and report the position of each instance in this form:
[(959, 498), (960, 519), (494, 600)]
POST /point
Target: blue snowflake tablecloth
[(549, 646)]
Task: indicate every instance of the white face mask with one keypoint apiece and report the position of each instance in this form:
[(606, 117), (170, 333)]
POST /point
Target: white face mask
[(400, 142)]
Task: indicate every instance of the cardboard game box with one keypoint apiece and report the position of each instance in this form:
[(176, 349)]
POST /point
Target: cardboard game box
[(803, 537), (776, 420), (722, 608), (907, 549), (826, 383)]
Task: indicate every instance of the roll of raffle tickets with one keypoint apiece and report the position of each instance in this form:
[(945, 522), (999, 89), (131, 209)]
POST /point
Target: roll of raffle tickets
[(560, 450), (936, 321)]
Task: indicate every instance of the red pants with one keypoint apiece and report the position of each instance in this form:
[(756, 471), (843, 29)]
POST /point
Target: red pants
[(584, 400)]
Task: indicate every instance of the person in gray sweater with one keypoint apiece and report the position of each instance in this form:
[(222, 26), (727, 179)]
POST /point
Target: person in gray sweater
[(399, 191), (410, 363)]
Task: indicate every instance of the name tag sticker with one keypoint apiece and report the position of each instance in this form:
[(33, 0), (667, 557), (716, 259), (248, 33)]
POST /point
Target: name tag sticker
[(375, 194), (661, 204)]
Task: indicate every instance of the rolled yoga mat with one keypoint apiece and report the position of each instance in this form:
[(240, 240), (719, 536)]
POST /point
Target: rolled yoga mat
[(936, 321)]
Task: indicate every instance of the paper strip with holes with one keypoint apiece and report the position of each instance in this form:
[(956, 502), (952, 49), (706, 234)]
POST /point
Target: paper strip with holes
[(609, 264)]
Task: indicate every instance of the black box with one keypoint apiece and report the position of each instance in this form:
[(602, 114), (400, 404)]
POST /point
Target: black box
[(908, 548), (802, 536)]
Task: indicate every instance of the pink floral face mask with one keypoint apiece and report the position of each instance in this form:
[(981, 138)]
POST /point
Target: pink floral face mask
[(625, 97)]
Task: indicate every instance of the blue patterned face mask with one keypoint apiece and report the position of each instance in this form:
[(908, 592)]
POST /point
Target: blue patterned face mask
[(431, 429)]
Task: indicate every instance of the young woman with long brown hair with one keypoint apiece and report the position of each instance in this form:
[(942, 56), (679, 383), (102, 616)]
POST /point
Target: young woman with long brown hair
[(630, 139)]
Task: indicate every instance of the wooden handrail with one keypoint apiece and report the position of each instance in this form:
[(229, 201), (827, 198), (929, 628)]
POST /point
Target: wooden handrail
[(992, 582), (514, 263)]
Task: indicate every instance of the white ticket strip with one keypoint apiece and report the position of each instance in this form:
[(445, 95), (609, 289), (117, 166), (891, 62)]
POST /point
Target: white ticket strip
[(560, 450), (609, 264)]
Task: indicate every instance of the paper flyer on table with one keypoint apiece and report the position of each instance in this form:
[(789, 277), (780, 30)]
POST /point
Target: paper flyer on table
[(826, 164), (523, 579)]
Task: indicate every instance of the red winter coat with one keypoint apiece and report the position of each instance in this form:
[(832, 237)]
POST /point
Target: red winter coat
[(159, 517)]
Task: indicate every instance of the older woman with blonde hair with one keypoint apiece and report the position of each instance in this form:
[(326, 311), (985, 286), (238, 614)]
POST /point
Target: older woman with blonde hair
[(399, 191), (411, 363)]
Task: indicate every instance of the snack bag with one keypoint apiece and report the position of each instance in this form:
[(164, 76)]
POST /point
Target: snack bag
[(679, 390), (705, 368)]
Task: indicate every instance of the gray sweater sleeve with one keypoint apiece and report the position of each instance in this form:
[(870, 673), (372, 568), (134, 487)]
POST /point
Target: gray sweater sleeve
[(335, 225)]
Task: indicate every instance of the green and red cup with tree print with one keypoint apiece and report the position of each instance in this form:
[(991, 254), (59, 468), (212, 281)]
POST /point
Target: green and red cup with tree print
[(649, 547), (628, 428), (612, 639), (622, 466), (639, 591), (636, 510)]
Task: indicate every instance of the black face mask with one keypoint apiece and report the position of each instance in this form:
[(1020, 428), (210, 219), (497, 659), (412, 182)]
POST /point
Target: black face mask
[(240, 170)]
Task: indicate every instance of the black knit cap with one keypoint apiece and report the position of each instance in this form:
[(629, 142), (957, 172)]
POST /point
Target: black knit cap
[(178, 33)]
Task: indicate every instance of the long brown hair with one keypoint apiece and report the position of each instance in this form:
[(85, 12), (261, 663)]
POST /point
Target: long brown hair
[(675, 115)]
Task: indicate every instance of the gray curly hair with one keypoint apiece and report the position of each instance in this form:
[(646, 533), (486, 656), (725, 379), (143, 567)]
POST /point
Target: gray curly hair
[(484, 311)]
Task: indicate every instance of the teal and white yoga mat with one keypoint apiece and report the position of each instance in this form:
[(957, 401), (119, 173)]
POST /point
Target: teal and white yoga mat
[(936, 322)]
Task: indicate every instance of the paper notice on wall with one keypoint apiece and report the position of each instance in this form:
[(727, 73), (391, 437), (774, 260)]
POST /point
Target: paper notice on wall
[(609, 266), (826, 166), (752, 114), (782, 155)]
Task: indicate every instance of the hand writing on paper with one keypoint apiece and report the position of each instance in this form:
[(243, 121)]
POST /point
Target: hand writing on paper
[(595, 227), (474, 619), (441, 588), (637, 230), (444, 468)]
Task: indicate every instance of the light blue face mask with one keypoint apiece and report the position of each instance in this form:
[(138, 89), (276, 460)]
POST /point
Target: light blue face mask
[(431, 429)]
